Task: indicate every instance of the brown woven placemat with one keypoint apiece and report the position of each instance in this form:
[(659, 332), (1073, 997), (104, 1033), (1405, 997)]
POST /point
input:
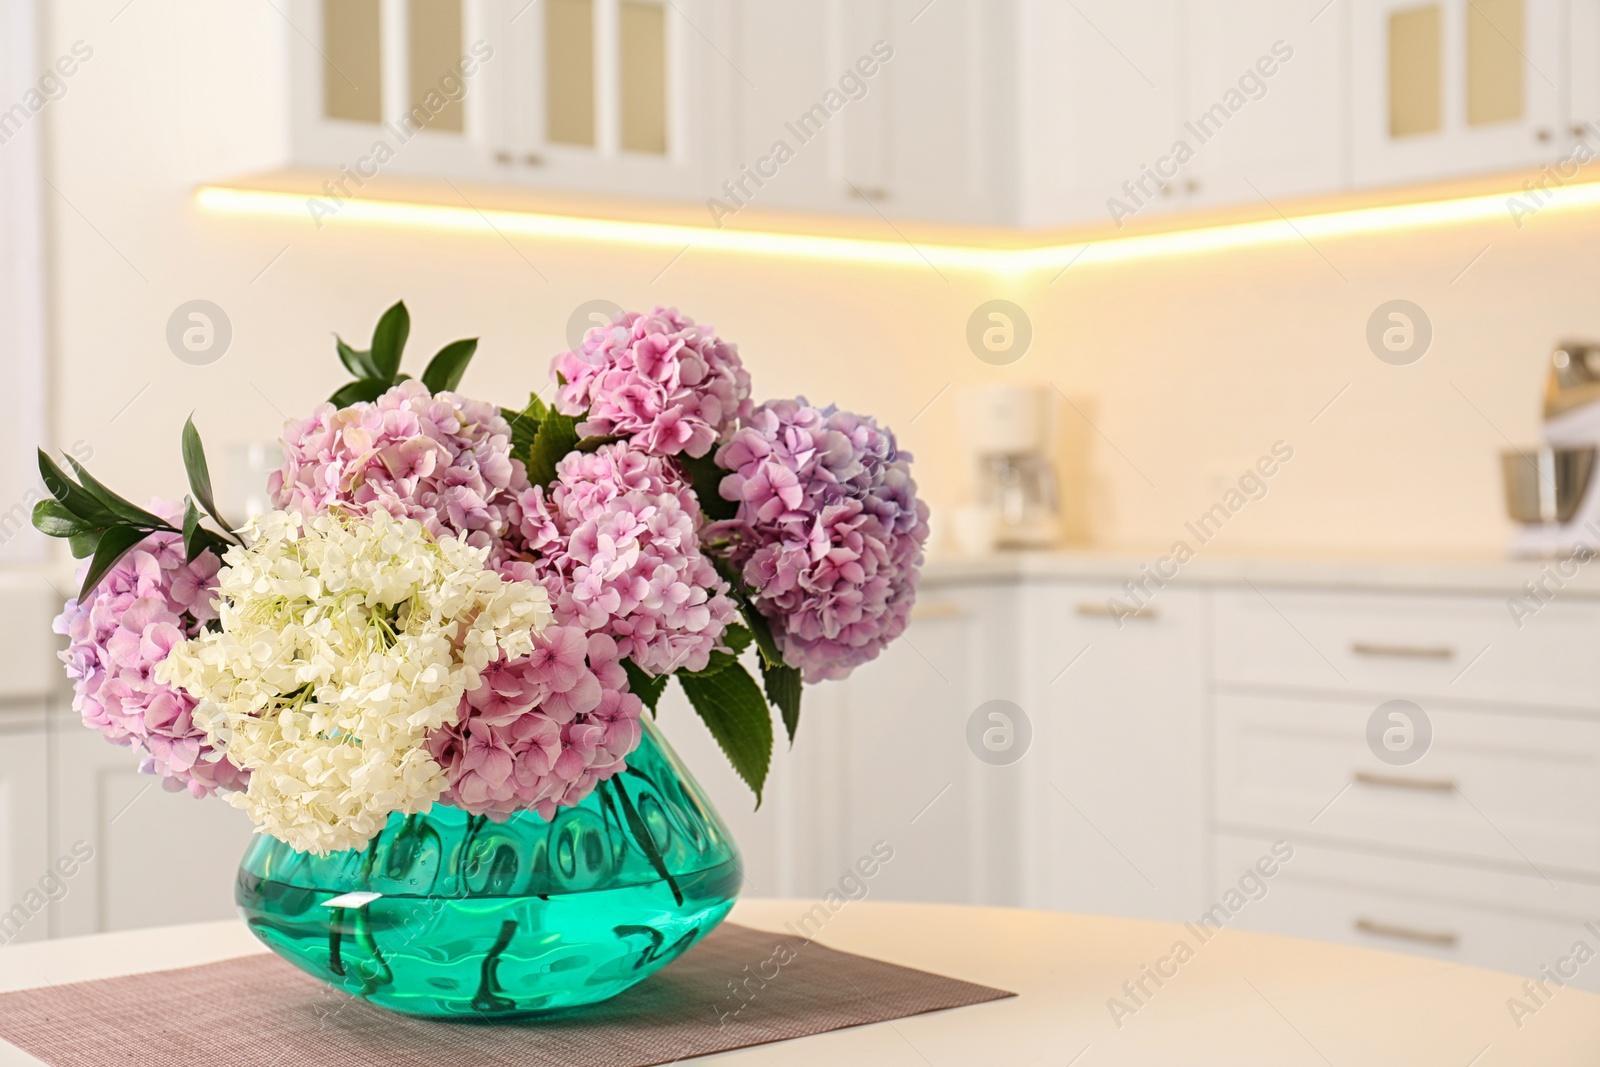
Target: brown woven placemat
[(258, 1011)]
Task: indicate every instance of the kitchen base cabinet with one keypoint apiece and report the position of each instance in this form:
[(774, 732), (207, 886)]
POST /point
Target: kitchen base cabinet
[(24, 830), (1117, 766), (158, 857), (1511, 788), (1467, 915)]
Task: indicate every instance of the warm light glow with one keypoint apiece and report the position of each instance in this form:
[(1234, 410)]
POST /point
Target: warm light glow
[(900, 253)]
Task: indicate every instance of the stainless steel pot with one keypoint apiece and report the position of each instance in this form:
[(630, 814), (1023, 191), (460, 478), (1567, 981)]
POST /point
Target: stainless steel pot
[(1546, 485)]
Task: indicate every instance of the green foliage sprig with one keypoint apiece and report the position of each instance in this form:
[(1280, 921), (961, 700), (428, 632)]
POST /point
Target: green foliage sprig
[(102, 526), (377, 367)]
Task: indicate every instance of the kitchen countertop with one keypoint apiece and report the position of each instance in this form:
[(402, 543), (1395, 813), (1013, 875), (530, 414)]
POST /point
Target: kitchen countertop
[(1239, 998), (1500, 576)]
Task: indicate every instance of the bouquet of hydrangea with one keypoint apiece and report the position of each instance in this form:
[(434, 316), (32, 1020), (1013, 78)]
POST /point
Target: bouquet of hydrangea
[(454, 602)]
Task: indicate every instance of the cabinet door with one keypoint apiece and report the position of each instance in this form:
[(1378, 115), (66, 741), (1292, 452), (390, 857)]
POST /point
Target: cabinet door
[(613, 96), (1265, 106), (789, 154), (1583, 74), (1118, 800), (908, 778), (1101, 106), (951, 106), (159, 858), (24, 831), (1454, 87), (393, 87)]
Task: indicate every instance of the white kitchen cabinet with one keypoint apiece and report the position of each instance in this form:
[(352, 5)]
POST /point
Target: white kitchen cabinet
[(896, 107), (1516, 922), (1101, 106), (1451, 88), (951, 111), (1582, 66), (1506, 787), (908, 775), (159, 857), (1265, 100), (1386, 645), (611, 96), (1117, 804), (599, 96), (24, 828)]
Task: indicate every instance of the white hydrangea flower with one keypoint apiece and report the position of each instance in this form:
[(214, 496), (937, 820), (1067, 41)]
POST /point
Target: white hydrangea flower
[(343, 642)]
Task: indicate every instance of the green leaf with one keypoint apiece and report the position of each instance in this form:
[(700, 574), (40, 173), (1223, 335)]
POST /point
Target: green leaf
[(356, 361), (782, 683), (119, 505), (762, 629), (735, 712), (51, 518), (84, 544), (737, 639), (595, 444), (194, 461), (389, 341), (76, 499), (114, 544), (366, 390), (705, 477), (648, 687), (524, 425), (193, 541), (557, 436), (448, 365)]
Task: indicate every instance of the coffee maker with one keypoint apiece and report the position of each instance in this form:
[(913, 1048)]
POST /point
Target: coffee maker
[(1551, 491), (1009, 429)]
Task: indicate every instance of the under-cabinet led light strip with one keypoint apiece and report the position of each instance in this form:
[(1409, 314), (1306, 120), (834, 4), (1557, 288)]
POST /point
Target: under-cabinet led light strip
[(903, 253)]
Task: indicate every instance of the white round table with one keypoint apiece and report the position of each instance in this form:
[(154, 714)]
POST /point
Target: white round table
[(1239, 998)]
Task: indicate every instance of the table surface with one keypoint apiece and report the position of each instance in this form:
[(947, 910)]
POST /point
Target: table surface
[(1237, 998)]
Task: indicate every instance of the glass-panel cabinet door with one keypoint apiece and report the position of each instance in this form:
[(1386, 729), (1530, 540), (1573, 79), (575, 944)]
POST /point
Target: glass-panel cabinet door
[(601, 93), (392, 86), (1447, 88)]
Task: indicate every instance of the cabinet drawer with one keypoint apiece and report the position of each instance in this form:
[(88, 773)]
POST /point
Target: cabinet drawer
[(1463, 647), (1517, 789), (1505, 922)]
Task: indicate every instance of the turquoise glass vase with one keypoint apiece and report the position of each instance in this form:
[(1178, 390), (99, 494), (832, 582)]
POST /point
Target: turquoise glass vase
[(450, 915)]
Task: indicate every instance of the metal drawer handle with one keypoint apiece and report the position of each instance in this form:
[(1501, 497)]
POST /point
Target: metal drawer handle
[(1441, 938), (1095, 610), (1394, 781), (1364, 648), (937, 609)]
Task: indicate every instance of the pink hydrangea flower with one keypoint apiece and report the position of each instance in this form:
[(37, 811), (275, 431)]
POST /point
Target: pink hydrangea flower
[(540, 732), (148, 602), (443, 460), (616, 543), (829, 532), (661, 380)]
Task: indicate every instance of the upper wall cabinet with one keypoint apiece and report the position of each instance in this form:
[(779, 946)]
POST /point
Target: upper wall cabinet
[(1264, 100), (1031, 113), (1102, 107), (1454, 87), (587, 95), (897, 108)]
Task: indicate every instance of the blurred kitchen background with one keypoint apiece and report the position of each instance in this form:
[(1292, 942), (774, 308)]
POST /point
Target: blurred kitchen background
[(1210, 324)]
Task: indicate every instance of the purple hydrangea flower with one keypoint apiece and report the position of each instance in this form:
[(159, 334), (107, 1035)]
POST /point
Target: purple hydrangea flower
[(442, 459), (148, 602), (659, 379), (616, 542), (829, 532), (541, 731)]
